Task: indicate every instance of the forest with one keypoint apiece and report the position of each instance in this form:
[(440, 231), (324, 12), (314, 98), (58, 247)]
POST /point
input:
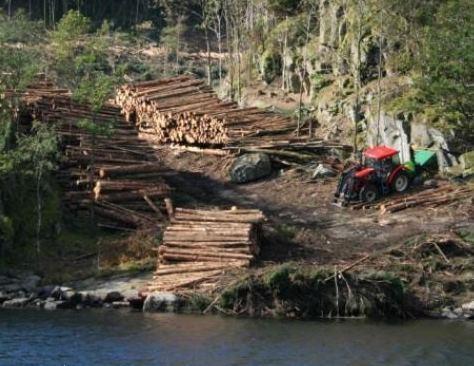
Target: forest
[(345, 64)]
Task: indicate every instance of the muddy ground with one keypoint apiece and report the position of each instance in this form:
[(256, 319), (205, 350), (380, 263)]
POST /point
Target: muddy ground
[(303, 224)]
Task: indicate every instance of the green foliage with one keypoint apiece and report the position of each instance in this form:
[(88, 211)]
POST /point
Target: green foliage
[(19, 66), (19, 29), (26, 163), (447, 63), (81, 56), (270, 65), (71, 28), (284, 7)]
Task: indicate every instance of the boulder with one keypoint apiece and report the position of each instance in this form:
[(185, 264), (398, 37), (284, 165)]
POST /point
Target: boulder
[(468, 310), (4, 280), (136, 302), (91, 299), (18, 302), (12, 287), (30, 283), (45, 291), (323, 171), (160, 302), (61, 292), (4, 297), (57, 304), (250, 167), (113, 296), (120, 304)]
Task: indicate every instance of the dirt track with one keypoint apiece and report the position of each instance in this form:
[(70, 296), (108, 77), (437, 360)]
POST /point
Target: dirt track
[(302, 223)]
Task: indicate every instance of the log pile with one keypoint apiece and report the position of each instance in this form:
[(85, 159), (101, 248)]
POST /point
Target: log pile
[(183, 110), (112, 174), (199, 245), (430, 198)]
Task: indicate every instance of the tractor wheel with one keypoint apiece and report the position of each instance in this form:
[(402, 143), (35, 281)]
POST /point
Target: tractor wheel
[(401, 182), (369, 193)]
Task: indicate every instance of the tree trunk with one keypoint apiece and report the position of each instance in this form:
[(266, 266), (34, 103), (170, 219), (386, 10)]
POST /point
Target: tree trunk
[(208, 48), (303, 74), (39, 208), (379, 78), (219, 45)]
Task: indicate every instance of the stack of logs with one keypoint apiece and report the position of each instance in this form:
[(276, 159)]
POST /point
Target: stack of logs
[(199, 246), (183, 110), (112, 174), (427, 198)]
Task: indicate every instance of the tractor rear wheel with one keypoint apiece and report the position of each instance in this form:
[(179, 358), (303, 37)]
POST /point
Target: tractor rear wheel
[(369, 193), (401, 182)]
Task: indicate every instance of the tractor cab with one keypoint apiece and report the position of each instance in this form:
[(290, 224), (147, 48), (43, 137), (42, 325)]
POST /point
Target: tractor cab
[(379, 174)]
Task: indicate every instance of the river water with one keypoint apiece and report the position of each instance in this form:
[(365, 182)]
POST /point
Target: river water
[(43, 338)]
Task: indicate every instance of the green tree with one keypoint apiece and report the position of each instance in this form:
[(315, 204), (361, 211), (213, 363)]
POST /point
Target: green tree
[(446, 83)]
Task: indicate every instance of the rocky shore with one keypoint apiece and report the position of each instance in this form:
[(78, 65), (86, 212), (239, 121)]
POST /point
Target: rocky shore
[(19, 290)]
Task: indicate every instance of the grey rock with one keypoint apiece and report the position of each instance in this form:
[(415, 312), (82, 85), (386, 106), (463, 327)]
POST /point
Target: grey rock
[(465, 311), (113, 296), (45, 291), (60, 292), (31, 282), (323, 171), (120, 304), (390, 131), (430, 183), (448, 313), (56, 304), (5, 280), (18, 302), (250, 167), (91, 299), (468, 310), (136, 302), (160, 302), (72, 297), (13, 287), (4, 297)]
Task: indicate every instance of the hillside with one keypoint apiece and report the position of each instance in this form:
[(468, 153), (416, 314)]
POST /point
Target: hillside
[(113, 113)]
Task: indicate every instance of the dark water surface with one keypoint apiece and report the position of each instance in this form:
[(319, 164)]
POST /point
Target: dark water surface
[(122, 338)]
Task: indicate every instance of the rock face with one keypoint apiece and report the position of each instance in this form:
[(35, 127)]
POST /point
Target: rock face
[(389, 131), (467, 164), (160, 302), (250, 167)]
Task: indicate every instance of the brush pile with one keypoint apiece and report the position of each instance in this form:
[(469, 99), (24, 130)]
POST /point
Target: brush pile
[(183, 110), (199, 246), (106, 169)]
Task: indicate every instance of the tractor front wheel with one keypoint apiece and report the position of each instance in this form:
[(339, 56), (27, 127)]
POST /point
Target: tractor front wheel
[(401, 182), (369, 193)]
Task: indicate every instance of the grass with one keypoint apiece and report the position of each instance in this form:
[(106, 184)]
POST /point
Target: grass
[(307, 291)]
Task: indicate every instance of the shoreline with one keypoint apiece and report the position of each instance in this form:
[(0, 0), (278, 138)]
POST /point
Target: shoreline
[(285, 292)]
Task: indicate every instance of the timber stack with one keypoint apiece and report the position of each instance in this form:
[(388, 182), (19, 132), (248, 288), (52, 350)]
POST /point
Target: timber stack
[(183, 110), (198, 246), (105, 168), (431, 198)]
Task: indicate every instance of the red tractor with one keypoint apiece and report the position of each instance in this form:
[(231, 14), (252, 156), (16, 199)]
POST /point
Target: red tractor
[(379, 174)]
